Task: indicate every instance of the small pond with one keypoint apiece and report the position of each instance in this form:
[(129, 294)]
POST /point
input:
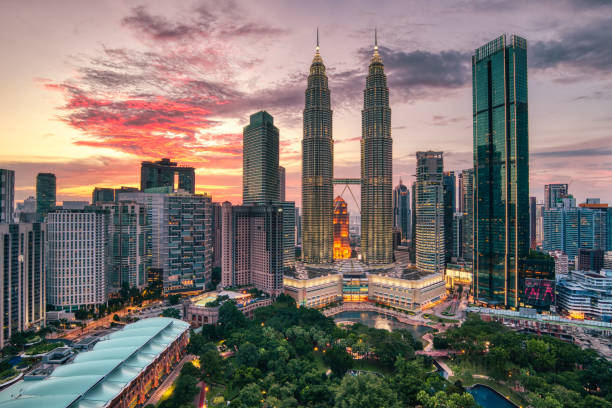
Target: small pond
[(488, 398), (376, 320)]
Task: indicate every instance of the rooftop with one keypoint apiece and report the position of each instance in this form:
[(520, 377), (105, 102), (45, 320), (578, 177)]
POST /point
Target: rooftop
[(96, 377)]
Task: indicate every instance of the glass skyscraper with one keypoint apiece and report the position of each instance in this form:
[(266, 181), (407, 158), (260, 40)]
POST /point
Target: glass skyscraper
[(154, 175), (45, 194), (317, 168), (260, 182), (376, 167), (449, 212), (430, 228), (467, 219), (401, 210), (7, 196), (501, 169)]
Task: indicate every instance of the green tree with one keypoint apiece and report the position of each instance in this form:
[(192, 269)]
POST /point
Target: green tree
[(444, 400), (174, 299), (230, 318), (338, 360), (171, 312), (248, 397), (365, 391)]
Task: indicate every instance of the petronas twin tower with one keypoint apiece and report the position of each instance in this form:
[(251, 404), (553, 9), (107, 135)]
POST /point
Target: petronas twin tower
[(376, 167)]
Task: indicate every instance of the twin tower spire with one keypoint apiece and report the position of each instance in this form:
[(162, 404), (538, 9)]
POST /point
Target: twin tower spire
[(376, 167)]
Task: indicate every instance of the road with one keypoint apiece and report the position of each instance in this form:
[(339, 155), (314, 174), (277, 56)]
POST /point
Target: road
[(157, 394)]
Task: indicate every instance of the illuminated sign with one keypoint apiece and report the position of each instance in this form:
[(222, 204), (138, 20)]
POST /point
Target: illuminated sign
[(539, 292)]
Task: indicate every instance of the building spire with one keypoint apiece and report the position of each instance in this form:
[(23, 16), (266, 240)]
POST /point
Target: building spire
[(376, 56), (317, 38)]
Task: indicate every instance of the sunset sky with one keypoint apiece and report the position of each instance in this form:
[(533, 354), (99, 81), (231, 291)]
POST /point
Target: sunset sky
[(89, 89)]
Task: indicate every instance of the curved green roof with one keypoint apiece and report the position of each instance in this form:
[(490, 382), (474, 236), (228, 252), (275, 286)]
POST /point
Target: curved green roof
[(96, 377)]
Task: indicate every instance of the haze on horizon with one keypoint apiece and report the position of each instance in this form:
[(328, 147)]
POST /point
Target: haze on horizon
[(92, 89)]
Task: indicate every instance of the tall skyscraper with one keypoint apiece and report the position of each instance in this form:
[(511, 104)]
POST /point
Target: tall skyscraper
[(317, 167), (449, 212), (342, 245), (501, 169), (401, 210), (533, 244), (376, 166), (7, 196), (128, 252), (23, 275), (430, 234), (260, 182), (45, 194), (413, 224), (217, 228), (552, 194), (160, 174), (460, 196), (467, 219), (77, 270), (281, 180)]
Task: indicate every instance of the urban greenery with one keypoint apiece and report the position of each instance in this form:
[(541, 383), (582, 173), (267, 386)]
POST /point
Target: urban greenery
[(547, 372), (296, 357)]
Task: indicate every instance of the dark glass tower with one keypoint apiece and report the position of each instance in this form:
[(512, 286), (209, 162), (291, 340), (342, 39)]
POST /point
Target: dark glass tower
[(449, 212), (260, 182), (376, 167), (501, 169), (317, 168), (161, 174), (45, 194), (401, 210)]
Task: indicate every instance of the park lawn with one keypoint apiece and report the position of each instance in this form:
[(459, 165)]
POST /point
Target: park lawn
[(369, 365), (465, 373), (42, 348), (216, 390)]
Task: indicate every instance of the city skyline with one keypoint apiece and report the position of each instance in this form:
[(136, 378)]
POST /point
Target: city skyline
[(69, 99)]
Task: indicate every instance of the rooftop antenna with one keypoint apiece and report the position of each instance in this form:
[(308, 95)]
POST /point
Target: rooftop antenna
[(317, 38)]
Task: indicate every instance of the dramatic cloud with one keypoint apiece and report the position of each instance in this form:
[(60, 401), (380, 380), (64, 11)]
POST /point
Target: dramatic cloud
[(585, 49)]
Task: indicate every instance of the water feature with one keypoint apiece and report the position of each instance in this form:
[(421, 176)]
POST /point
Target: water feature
[(486, 397), (379, 321)]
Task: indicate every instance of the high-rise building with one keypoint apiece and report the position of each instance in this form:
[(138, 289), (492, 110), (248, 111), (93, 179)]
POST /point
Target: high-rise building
[(539, 224), (401, 210), (317, 168), (253, 247), (342, 245), (298, 227), (501, 169), (78, 258), (217, 228), (162, 173), (22, 265), (45, 194), (552, 194), (281, 180), (561, 262), (26, 211), (7, 196), (413, 224), (460, 194), (181, 237), (376, 167), (430, 234), (449, 212), (467, 220), (260, 172), (561, 228), (590, 260), (102, 195), (457, 235), (129, 235), (533, 243), (288, 213)]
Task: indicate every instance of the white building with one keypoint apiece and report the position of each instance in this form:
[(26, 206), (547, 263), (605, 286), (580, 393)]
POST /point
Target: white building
[(77, 257), (586, 295), (561, 262)]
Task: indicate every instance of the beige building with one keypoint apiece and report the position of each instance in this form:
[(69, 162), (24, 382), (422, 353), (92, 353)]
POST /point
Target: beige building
[(204, 309)]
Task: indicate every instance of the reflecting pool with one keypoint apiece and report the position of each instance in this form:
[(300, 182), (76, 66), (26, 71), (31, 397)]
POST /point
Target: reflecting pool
[(373, 319), (488, 398)]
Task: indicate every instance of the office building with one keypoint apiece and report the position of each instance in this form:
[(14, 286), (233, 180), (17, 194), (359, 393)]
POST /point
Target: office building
[(501, 169), (449, 194), (342, 245), (457, 236), (162, 173), (253, 246), (23, 293), (298, 227), (281, 180), (7, 196), (376, 167), (217, 229), (78, 258), (607, 260), (260, 183), (401, 210), (467, 219), (45, 194), (430, 234), (26, 211), (532, 223), (561, 262), (553, 193), (317, 168), (102, 195), (128, 249), (586, 295), (589, 260), (539, 224), (181, 237), (413, 225)]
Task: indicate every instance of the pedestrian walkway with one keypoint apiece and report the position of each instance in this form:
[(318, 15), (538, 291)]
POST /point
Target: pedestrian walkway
[(157, 394)]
